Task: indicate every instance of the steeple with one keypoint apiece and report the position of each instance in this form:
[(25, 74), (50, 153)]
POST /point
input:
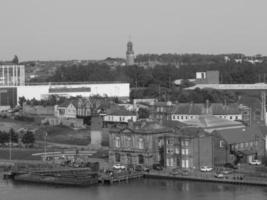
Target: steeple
[(129, 53)]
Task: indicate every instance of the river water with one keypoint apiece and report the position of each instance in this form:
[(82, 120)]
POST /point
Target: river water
[(147, 189)]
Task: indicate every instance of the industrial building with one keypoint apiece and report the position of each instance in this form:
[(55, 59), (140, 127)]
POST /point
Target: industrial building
[(12, 87), (109, 89)]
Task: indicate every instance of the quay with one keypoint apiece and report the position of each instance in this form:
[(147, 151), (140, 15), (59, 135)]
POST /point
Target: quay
[(119, 177), (238, 179)]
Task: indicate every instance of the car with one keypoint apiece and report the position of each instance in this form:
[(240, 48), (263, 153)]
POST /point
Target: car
[(141, 168), (255, 162), (230, 165), (226, 171), (157, 167), (206, 169), (175, 171), (219, 175), (118, 166)]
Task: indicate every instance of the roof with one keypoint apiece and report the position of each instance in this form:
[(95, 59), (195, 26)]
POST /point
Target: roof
[(189, 109), (144, 127), (167, 104), (240, 135), (66, 103), (119, 111), (211, 122), (221, 109)]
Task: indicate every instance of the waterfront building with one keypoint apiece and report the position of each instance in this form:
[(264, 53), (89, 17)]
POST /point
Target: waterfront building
[(238, 145), (171, 145), (137, 144)]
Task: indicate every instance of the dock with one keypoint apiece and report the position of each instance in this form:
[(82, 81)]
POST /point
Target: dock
[(241, 180)]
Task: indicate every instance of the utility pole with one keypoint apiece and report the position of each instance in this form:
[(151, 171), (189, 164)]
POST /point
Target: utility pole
[(10, 144), (45, 144)]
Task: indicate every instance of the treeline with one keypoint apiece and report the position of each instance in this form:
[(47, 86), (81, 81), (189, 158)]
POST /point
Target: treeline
[(185, 96), (136, 75), (11, 136), (162, 75)]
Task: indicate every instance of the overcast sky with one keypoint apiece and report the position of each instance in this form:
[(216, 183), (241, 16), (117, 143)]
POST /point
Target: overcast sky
[(96, 29)]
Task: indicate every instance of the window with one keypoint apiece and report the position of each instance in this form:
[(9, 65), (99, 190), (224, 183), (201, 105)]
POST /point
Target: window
[(241, 145), (186, 143), (185, 151), (140, 159), (117, 157), (128, 141), (141, 143), (170, 162), (185, 163), (177, 150), (61, 111), (117, 142), (236, 117), (182, 117), (221, 144), (231, 117)]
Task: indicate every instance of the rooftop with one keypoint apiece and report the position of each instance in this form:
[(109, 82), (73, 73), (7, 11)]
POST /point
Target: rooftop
[(240, 135)]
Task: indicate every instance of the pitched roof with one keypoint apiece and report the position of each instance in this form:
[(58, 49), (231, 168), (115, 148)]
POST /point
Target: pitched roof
[(66, 103), (211, 122), (221, 109), (119, 111), (189, 109), (239, 135)]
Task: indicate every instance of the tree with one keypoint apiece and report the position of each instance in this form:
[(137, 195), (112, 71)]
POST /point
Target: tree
[(13, 135), (21, 100), (28, 138), (15, 60), (143, 113)]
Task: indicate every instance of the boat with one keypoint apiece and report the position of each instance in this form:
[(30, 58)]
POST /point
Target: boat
[(57, 175)]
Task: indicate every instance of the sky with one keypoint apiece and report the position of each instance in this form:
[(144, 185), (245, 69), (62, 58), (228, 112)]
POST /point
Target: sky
[(96, 29)]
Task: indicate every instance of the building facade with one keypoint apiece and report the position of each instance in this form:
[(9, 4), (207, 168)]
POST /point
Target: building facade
[(12, 75)]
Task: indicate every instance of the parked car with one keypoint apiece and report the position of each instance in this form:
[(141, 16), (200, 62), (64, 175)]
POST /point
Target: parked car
[(185, 172), (226, 171), (206, 169), (118, 166), (219, 175), (175, 171), (141, 168), (157, 167), (255, 162), (230, 165)]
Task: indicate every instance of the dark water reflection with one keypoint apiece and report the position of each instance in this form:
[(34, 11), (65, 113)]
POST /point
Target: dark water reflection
[(140, 189)]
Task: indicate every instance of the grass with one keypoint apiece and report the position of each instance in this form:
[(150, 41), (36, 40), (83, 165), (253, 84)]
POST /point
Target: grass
[(18, 154), (65, 135)]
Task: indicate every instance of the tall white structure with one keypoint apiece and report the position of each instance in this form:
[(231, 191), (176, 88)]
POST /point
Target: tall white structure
[(12, 75), (129, 54)]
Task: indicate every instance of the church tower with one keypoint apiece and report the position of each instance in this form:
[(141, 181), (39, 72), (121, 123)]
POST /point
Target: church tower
[(129, 54)]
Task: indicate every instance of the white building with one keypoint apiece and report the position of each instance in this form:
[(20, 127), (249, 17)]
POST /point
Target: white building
[(110, 89)]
